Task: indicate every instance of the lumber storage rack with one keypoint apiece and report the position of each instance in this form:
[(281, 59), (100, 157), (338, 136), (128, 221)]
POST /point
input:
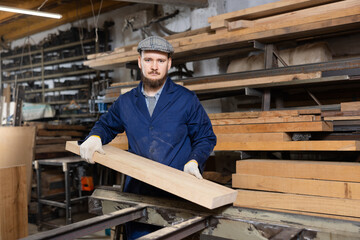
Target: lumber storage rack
[(180, 219)]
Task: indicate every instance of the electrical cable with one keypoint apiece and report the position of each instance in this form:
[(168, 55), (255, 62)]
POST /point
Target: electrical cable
[(96, 19), (42, 5)]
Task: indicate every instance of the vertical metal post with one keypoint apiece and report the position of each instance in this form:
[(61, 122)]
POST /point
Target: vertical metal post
[(270, 62), (42, 75), (20, 94), (39, 210), (67, 193)]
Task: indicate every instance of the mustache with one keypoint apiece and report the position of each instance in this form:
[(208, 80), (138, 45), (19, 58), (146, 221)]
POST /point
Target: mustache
[(154, 72)]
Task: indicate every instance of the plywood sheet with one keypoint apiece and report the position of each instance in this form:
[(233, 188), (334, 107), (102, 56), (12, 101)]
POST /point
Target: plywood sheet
[(13, 203), (179, 183), (17, 148)]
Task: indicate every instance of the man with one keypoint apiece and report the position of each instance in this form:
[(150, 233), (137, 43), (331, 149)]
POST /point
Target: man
[(163, 121)]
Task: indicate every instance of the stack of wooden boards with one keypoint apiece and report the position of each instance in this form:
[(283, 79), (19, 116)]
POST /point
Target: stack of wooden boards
[(348, 111), (51, 138), (327, 189), (270, 131), (215, 85), (286, 19)]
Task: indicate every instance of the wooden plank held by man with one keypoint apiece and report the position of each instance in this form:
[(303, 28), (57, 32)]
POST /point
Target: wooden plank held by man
[(179, 183)]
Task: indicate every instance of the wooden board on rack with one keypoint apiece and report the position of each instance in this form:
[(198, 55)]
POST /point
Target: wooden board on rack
[(255, 114), (233, 121), (13, 203), (264, 10), (331, 171), (275, 127), (50, 148), (350, 106), (313, 204), (120, 141), (252, 81), (202, 192), (43, 132), (289, 146), (314, 187)]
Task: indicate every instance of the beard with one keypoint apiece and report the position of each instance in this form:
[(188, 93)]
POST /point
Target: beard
[(153, 84)]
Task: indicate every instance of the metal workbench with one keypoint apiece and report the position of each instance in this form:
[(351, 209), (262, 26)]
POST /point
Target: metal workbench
[(67, 164)]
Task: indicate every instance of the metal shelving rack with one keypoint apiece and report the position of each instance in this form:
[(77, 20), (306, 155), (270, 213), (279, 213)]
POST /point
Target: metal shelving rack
[(39, 72)]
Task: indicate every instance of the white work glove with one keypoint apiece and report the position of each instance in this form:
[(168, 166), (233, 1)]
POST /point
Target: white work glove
[(191, 167), (89, 147)]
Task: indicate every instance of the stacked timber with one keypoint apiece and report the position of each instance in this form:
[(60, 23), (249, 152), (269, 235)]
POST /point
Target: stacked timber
[(270, 131), (281, 20), (117, 89), (327, 189), (51, 139), (275, 131)]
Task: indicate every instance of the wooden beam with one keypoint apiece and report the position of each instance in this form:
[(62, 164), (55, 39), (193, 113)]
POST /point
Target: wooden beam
[(321, 215), (325, 188), (275, 127), (240, 24), (289, 146), (120, 141), (252, 81), (314, 204), (179, 183), (305, 118), (265, 10), (43, 132), (13, 203), (350, 106), (50, 148), (265, 114), (342, 118), (188, 3), (253, 137), (331, 171)]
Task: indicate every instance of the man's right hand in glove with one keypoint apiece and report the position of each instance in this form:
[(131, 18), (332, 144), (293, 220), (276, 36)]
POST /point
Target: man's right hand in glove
[(89, 147)]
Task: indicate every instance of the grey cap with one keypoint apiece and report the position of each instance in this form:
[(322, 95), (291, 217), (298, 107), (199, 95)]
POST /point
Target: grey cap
[(155, 43)]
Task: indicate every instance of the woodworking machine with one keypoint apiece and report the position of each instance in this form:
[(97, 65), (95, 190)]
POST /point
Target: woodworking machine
[(180, 218)]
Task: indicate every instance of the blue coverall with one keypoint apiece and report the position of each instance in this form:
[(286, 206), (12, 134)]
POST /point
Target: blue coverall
[(179, 130)]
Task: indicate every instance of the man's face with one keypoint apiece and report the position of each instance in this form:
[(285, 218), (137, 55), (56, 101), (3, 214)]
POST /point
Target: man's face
[(154, 67)]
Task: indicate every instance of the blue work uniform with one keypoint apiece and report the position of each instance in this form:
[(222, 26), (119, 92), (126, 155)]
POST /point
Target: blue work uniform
[(179, 130)]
